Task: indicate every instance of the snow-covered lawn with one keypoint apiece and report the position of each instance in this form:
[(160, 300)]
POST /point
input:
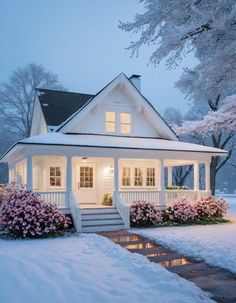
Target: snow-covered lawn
[(215, 244), (87, 269)]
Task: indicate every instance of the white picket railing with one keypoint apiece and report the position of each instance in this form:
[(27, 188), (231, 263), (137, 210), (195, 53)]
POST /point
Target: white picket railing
[(75, 211), (123, 208), (130, 196), (191, 195), (58, 198)]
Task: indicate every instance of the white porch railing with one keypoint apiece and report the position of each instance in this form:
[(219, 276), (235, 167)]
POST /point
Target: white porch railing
[(191, 195), (75, 211), (123, 208), (58, 198), (130, 196)]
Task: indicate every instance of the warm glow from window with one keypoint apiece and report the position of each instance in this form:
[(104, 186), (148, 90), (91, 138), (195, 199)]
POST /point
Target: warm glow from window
[(125, 123), (110, 122), (151, 177), (138, 177), (55, 176), (126, 176)]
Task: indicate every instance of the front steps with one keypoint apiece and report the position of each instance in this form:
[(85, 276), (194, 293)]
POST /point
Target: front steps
[(101, 219)]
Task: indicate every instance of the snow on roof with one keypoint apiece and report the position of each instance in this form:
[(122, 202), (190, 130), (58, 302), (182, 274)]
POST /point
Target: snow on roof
[(107, 141)]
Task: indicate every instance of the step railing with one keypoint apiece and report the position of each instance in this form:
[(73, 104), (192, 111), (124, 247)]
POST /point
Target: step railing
[(75, 211), (58, 198), (130, 196), (123, 208)]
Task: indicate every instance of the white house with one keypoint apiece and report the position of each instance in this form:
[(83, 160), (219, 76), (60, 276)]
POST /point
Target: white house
[(83, 147)]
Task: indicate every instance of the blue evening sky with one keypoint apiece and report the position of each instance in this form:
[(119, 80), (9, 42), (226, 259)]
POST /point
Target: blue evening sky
[(80, 41)]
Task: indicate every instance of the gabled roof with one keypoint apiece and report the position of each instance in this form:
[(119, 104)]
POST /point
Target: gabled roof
[(121, 78), (58, 106)]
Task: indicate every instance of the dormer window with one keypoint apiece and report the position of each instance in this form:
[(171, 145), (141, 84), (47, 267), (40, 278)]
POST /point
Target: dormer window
[(125, 123), (110, 122)]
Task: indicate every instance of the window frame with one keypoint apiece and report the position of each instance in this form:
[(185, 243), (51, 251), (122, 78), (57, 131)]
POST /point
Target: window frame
[(125, 123), (110, 121)]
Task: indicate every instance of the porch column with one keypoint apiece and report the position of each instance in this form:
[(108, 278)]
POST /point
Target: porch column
[(162, 184), (196, 176), (116, 174), (207, 176), (29, 182), (69, 174), (170, 174)]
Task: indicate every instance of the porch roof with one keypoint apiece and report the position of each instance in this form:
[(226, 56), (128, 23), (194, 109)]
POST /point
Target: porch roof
[(117, 142)]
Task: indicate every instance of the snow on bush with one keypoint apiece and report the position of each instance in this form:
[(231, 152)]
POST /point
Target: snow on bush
[(144, 214), (180, 211), (25, 214), (211, 207)]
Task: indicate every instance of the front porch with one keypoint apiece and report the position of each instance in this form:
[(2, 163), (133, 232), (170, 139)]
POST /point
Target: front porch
[(92, 180)]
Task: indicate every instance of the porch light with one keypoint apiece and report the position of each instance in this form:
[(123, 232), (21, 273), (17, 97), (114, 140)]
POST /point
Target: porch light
[(84, 159)]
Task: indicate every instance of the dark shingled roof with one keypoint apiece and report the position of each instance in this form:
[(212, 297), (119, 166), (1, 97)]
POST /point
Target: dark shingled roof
[(57, 106)]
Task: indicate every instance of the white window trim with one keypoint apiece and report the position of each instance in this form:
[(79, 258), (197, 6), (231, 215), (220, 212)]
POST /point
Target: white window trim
[(118, 113), (63, 176), (144, 171)]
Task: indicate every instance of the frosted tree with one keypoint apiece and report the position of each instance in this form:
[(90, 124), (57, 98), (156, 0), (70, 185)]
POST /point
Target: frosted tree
[(18, 94), (217, 128), (208, 30)]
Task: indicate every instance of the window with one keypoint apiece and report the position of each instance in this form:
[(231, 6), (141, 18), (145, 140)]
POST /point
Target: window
[(125, 123), (126, 176), (138, 177), (110, 122), (55, 176), (86, 177), (151, 177)]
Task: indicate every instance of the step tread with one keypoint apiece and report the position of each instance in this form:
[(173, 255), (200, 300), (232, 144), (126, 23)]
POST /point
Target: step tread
[(115, 224)]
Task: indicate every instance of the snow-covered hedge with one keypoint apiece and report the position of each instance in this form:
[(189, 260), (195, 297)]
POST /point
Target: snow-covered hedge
[(144, 214), (180, 211), (25, 214)]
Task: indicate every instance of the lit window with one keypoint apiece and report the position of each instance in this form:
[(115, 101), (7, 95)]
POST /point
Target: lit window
[(126, 176), (125, 123), (138, 177), (151, 177), (110, 122), (55, 176)]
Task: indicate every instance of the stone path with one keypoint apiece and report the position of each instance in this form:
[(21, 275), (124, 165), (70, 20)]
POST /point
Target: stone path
[(219, 282)]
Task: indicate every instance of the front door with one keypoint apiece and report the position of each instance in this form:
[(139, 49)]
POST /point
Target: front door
[(86, 176)]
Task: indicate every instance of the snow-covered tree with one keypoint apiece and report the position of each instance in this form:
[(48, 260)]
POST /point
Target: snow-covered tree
[(18, 94), (217, 128)]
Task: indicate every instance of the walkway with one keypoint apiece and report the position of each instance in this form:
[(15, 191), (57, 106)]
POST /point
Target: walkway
[(219, 282)]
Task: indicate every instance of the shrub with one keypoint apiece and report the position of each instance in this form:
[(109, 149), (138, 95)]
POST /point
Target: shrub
[(180, 211), (144, 214), (177, 187), (211, 207), (25, 214)]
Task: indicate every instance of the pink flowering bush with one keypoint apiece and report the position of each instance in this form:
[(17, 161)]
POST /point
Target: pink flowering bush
[(211, 207), (144, 214), (180, 211), (24, 214)]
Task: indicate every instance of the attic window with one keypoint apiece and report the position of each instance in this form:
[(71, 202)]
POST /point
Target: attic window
[(110, 122)]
